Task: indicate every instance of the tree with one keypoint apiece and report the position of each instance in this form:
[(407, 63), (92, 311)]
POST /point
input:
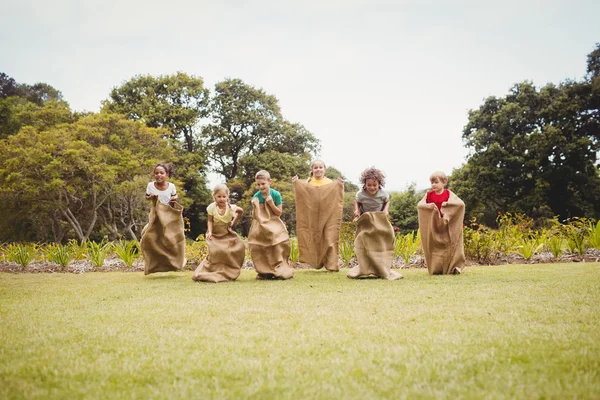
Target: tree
[(403, 209), (247, 121), (173, 102), (72, 171), (535, 152), (38, 105)]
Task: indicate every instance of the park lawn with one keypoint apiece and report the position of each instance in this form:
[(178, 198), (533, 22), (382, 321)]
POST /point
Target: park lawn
[(511, 331)]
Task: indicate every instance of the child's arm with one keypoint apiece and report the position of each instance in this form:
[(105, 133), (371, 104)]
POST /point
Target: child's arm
[(356, 209), (210, 228), (277, 210), (238, 213), (386, 207)]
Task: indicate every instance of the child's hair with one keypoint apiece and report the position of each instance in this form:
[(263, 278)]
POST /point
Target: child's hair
[(312, 164), (168, 167), (372, 173), (262, 174), (221, 187), (438, 175)]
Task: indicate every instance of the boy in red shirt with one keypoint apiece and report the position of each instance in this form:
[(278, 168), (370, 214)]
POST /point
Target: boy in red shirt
[(438, 195), (442, 233)]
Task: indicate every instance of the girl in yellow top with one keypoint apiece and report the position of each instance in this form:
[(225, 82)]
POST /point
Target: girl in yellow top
[(317, 174), (319, 204)]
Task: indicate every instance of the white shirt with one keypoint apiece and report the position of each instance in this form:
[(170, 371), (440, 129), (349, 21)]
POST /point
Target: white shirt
[(163, 195)]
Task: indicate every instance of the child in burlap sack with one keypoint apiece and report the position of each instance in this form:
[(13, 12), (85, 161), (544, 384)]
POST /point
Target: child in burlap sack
[(441, 215), (374, 240), (226, 251), (268, 239)]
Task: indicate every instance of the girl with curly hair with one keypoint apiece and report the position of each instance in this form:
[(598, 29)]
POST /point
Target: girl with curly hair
[(372, 197)]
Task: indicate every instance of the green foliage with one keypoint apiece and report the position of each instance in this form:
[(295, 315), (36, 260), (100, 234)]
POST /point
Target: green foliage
[(403, 209), (127, 250), (21, 253), (346, 249), (578, 236), (59, 254), (406, 246), (196, 251), (530, 246), (294, 250), (534, 151), (246, 121), (173, 102), (594, 235), (77, 250), (97, 252), (479, 242), (555, 244), (77, 173)]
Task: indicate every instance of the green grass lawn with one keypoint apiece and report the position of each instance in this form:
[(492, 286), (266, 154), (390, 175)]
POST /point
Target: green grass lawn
[(512, 331)]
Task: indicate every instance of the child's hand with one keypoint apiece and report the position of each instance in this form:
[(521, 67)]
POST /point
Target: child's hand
[(294, 178), (268, 198), (444, 204), (174, 197), (340, 180), (431, 205), (357, 213), (150, 196), (208, 236)]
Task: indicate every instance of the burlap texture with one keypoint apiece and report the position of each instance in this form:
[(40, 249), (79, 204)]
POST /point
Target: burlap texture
[(374, 247), (442, 237), (318, 220), (226, 252), (269, 243), (163, 240)]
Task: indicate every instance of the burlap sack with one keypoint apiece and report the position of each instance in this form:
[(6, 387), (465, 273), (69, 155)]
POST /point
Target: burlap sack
[(374, 247), (442, 237), (226, 252), (269, 243), (163, 240), (318, 221)]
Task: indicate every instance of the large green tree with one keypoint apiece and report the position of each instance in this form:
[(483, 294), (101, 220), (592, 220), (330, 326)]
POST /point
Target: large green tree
[(173, 102), (79, 172), (38, 105), (247, 121), (534, 151), (177, 103)]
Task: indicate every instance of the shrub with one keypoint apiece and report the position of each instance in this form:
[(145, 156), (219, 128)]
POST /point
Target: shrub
[(97, 252), (77, 250), (20, 253), (294, 250), (530, 246), (594, 235), (406, 246), (59, 254), (196, 251), (127, 250), (346, 248)]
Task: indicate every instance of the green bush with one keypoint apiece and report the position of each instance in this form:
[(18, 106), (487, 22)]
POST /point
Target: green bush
[(127, 250), (97, 252), (21, 253)]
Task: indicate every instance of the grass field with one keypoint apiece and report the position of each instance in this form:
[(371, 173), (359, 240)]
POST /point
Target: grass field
[(512, 331)]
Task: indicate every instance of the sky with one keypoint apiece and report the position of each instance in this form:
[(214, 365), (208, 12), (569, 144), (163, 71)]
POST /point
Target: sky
[(380, 83)]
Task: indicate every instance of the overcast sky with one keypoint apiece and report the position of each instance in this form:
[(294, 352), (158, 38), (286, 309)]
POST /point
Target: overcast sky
[(380, 83)]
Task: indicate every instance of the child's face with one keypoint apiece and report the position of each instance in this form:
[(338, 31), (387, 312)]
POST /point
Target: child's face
[(263, 185), (221, 197), (372, 186), (437, 185), (160, 175), (318, 170)]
